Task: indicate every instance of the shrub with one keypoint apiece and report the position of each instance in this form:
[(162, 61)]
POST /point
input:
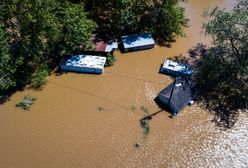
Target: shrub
[(145, 125), (26, 103), (110, 59), (39, 77)]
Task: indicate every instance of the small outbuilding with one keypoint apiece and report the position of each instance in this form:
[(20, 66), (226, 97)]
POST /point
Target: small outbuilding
[(110, 46), (84, 64), (177, 95), (174, 68), (137, 42)]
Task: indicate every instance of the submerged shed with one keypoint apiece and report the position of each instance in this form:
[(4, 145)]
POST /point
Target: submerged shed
[(84, 63), (177, 95), (176, 68), (137, 42), (102, 46)]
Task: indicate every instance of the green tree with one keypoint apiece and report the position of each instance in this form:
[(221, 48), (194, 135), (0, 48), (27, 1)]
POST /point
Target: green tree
[(163, 18), (39, 34), (168, 20), (124, 18), (6, 65), (223, 71), (77, 30)]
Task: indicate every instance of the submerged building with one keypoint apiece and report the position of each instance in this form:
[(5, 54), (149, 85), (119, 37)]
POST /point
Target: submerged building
[(177, 95), (102, 46), (84, 64), (174, 68), (137, 42)]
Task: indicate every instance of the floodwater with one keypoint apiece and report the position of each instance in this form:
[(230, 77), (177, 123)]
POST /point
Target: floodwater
[(81, 120)]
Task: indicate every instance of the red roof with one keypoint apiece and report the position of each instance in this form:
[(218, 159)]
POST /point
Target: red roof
[(101, 46)]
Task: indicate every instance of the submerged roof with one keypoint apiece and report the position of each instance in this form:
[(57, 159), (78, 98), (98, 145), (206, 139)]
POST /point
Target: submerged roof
[(111, 46), (100, 46), (172, 65), (137, 40), (181, 96), (176, 68), (106, 47), (88, 61)]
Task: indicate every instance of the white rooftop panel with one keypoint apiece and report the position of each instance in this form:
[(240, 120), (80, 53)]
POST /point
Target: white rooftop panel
[(87, 61), (137, 40), (111, 46), (172, 65)]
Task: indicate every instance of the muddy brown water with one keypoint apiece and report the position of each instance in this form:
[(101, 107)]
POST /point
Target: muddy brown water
[(82, 120)]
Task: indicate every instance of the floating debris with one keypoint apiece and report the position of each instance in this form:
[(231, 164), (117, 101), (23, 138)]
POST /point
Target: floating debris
[(26, 103), (136, 145), (100, 108), (145, 125)]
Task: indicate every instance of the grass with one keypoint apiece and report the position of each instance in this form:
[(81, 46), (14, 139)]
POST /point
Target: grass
[(26, 103)]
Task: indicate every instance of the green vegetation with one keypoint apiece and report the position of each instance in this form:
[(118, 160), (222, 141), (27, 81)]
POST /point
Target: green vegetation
[(26, 103), (77, 28), (39, 77), (145, 126), (222, 73), (37, 34), (163, 18), (7, 68), (110, 59)]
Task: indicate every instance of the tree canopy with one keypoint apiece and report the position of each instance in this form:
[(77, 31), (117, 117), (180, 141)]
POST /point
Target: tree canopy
[(223, 70), (34, 34), (165, 19), (6, 63)]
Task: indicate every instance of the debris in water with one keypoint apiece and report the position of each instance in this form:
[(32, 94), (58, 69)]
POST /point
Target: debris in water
[(26, 103)]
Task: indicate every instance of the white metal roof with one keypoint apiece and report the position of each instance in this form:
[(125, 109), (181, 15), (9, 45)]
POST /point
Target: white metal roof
[(137, 40), (172, 65), (88, 61), (111, 46)]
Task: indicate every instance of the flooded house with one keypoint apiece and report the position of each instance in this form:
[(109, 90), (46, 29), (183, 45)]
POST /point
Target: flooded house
[(84, 64), (137, 42), (177, 95)]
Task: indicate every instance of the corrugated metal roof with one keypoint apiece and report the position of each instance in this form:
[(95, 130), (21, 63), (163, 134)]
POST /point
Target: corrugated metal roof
[(181, 96), (101, 46), (88, 61), (137, 40)]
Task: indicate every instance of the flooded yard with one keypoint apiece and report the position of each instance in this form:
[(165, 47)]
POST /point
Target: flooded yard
[(82, 120)]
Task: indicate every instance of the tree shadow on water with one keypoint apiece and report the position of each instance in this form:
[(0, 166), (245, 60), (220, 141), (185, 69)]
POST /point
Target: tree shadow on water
[(224, 108), (216, 89), (4, 98)]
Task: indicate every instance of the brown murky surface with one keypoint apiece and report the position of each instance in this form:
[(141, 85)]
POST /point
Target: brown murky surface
[(84, 120)]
